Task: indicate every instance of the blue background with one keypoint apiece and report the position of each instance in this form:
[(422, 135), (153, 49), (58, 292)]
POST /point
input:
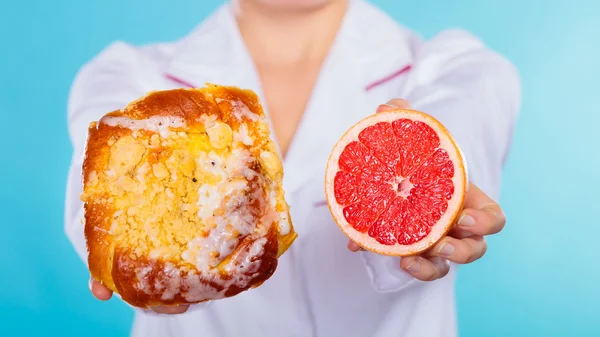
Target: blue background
[(540, 276)]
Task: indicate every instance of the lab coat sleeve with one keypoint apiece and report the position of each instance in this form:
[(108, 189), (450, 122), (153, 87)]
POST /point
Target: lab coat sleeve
[(475, 93)]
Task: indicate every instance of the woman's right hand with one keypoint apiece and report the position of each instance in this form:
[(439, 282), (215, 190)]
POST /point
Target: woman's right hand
[(104, 294)]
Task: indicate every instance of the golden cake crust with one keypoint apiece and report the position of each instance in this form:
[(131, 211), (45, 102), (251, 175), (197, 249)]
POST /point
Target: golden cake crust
[(155, 233)]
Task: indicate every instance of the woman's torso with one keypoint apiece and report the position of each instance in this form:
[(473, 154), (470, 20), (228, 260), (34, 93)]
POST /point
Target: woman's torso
[(320, 288)]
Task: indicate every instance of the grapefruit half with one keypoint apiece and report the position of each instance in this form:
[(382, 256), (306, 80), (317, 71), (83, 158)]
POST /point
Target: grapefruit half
[(395, 182)]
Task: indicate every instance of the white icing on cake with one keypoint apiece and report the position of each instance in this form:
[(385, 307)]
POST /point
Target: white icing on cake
[(243, 136), (284, 224), (209, 285), (158, 124), (240, 110), (142, 274), (223, 207), (170, 287), (198, 290), (208, 120)]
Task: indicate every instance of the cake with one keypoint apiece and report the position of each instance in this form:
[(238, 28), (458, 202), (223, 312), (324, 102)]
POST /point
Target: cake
[(183, 197)]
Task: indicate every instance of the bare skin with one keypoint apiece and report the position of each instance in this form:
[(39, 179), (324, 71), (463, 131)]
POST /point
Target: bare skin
[(282, 38), (288, 48)]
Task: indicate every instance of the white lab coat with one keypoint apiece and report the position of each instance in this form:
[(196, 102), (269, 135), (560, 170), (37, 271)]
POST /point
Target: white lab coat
[(319, 288)]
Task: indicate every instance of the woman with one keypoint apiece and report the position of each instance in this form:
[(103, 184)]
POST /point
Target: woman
[(319, 66)]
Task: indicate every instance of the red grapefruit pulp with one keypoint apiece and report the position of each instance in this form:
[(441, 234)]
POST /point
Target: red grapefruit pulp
[(396, 182)]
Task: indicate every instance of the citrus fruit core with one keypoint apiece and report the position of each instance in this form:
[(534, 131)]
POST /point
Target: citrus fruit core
[(394, 178)]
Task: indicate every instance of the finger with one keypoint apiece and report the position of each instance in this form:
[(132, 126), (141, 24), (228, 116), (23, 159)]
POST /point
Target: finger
[(476, 198), (459, 233), (393, 104), (486, 221), (425, 269), (99, 290), (482, 215), (486, 210), (171, 310), (460, 251), (353, 246)]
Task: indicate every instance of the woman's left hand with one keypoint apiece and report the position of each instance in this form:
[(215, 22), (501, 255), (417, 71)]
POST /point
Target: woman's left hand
[(465, 243)]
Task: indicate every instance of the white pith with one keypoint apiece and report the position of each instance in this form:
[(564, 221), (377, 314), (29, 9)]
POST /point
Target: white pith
[(454, 204)]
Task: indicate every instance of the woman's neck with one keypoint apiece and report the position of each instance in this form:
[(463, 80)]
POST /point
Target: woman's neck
[(279, 38)]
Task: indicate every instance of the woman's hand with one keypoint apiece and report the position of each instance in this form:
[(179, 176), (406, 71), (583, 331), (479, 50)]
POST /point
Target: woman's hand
[(104, 294), (465, 243)]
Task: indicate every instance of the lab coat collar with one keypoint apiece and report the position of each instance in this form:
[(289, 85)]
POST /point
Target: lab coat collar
[(369, 42), (213, 52)]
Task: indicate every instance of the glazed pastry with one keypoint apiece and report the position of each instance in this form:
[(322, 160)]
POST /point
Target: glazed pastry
[(183, 197)]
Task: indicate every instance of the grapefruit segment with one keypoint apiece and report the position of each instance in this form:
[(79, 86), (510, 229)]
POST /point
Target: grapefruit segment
[(381, 140), (396, 182), (417, 142), (360, 160), (347, 192), (376, 198), (437, 166), (360, 215), (384, 228)]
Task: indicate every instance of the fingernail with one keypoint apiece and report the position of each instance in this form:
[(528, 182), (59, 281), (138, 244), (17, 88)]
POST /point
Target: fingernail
[(90, 283), (447, 250), (385, 107), (414, 267), (466, 221)]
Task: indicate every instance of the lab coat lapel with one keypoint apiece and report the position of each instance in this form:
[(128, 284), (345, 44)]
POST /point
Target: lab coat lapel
[(215, 53)]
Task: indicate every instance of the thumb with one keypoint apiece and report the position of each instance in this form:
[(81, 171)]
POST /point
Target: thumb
[(394, 104), (99, 290)]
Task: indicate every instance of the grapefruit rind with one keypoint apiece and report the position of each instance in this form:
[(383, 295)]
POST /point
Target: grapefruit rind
[(455, 204)]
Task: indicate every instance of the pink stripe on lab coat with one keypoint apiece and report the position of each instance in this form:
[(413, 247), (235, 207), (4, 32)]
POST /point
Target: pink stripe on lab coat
[(388, 78), (179, 81)]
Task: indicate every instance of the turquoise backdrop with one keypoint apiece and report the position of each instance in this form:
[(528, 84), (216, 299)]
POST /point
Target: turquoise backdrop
[(540, 276)]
